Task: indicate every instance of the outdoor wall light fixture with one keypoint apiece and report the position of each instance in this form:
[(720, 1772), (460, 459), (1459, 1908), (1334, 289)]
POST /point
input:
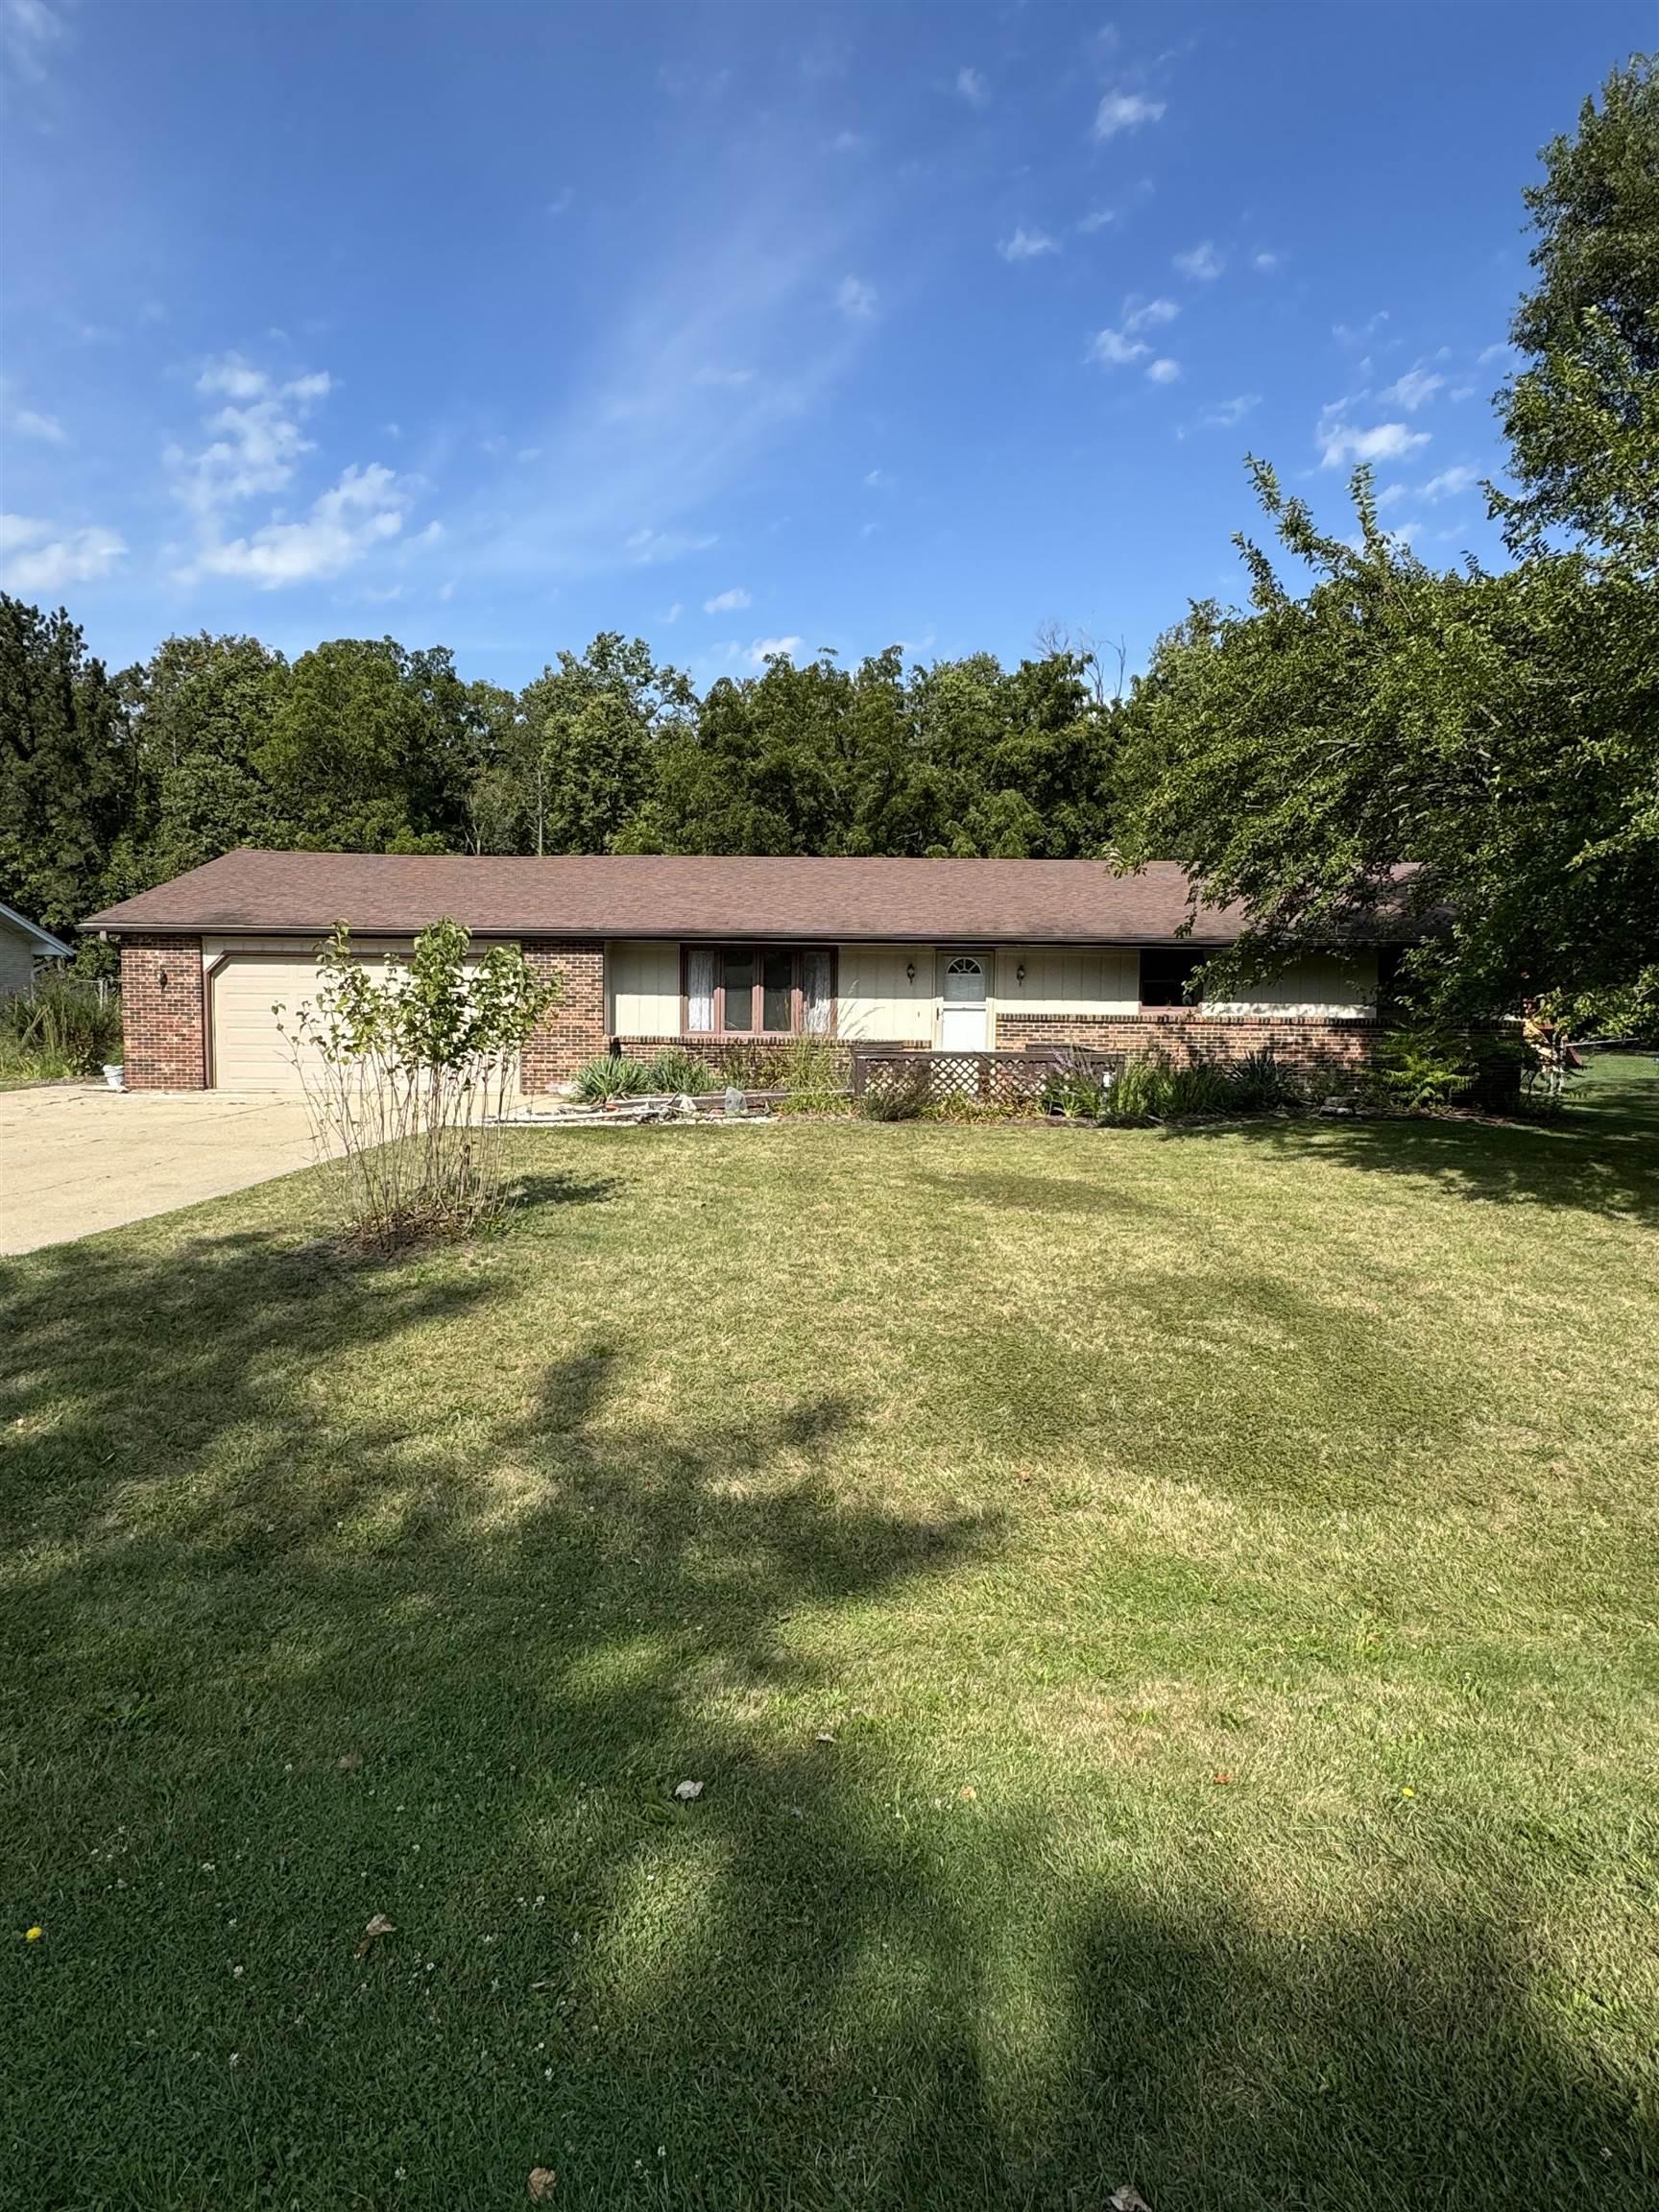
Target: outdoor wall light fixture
[(909, 971), (1020, 972), (161, 978)]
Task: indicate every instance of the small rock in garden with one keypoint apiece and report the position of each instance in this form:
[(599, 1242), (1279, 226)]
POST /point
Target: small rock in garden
[(687, 1790), (349, 1762), (378, 1926), (826, 1735), (1128, 2199), (542, 2184)]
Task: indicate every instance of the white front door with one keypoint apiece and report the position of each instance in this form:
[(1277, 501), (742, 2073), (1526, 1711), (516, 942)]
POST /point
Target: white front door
[(964, 1025)]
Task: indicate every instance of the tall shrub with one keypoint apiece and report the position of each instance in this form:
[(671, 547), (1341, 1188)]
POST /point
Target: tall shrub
[(406, 1077)]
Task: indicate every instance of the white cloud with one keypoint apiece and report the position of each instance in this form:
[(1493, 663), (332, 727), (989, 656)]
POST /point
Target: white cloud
[(1341, 442), (34, 558), (1452, 483), (31, 30), (1112, 348), (256, 446), (728, 602), (1502, 351), (1414, 390), (363, 510), (674, 612), (1266, 263), (1227, 412), (1391, 494), (649, 546), (757, 653), (563, 201), (1125, 112), (1148, 314), (46, 428), (725, 380), (972, 84), (848, 142), (1358, 334), (1096, 219), (1027, 245), (1202, 264), (1165, 372), (877, 480), (855, 299), (233, 377)]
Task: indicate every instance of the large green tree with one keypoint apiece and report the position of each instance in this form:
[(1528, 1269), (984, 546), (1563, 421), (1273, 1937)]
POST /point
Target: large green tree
[(1582, 414), (67, 769), (372, 748), (585, 751), (1497, 733), (202, 711)]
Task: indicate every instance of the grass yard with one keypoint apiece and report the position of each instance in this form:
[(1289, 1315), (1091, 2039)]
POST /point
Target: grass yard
[(1165, 1624)]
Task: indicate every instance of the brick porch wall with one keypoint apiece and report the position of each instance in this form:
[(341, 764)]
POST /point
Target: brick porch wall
[(163, 1023), (1329, 1047), (575, 1029)]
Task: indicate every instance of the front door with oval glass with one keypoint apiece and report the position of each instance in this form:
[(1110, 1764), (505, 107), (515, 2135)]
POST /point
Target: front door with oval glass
[(964, 1021)]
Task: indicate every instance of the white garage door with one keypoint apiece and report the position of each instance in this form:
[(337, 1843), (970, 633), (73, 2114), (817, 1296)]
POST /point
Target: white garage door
[(250, 1052)]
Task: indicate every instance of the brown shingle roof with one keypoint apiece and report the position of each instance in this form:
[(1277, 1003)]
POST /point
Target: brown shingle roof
[(1009, 902)]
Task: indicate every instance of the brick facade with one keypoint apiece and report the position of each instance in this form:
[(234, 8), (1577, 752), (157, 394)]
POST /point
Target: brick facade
[(1325, 1046), (575, 1029), (162, 1016)]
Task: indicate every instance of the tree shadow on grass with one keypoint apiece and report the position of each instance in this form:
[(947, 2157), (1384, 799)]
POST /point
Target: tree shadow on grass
[(833, 1980), (1599, 1155)]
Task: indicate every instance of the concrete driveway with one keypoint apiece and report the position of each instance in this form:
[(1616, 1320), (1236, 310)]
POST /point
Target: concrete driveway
[(81, 1158)]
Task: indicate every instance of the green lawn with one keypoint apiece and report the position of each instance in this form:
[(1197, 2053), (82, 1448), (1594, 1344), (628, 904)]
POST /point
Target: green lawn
[(1222, 1562)]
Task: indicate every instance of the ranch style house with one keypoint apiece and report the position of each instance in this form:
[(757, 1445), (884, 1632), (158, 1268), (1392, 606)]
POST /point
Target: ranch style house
[(949, 955)]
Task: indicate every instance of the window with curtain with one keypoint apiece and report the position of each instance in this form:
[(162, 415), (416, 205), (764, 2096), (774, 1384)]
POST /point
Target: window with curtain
[(816, 994), (700, 988), (760, 989)]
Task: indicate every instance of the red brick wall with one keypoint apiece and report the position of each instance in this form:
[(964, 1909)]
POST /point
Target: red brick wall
[(575, 1029), (162, 1020), (1314, 1044)]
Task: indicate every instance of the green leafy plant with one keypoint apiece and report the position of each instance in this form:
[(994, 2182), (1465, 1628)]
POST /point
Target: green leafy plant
[(407, 1075), (64, 1027), (1075, 1094), (676, 1069), (1420, 1067), (1260, 1085), (613, 1075)]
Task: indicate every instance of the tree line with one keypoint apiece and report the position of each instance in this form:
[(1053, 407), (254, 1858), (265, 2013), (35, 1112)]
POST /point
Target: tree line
[(1498, 730)]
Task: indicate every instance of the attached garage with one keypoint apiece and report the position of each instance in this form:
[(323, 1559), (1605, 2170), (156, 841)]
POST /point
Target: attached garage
[(246, 1050)]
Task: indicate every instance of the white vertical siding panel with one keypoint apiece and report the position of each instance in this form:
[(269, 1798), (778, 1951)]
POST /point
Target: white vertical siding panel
[(878, 1002), (643, 978)]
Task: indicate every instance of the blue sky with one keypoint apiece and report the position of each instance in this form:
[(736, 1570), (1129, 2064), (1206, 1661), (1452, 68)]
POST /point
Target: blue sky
[(498, 324)]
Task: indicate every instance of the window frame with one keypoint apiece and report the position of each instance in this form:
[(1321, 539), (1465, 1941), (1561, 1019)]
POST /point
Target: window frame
[(757, 949), (1181, 1004)]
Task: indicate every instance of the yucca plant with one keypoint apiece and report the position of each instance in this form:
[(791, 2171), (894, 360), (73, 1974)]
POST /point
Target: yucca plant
[(611, 1076)]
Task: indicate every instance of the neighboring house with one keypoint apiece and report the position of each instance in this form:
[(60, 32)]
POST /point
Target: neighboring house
[(963, 955), (24, 949)]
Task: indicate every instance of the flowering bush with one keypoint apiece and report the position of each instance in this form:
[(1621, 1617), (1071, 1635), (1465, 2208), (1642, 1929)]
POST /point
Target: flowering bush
[(407, 1075)]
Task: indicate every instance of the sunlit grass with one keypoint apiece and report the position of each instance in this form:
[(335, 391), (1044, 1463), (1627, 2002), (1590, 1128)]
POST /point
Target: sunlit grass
[(1165, 1624)]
